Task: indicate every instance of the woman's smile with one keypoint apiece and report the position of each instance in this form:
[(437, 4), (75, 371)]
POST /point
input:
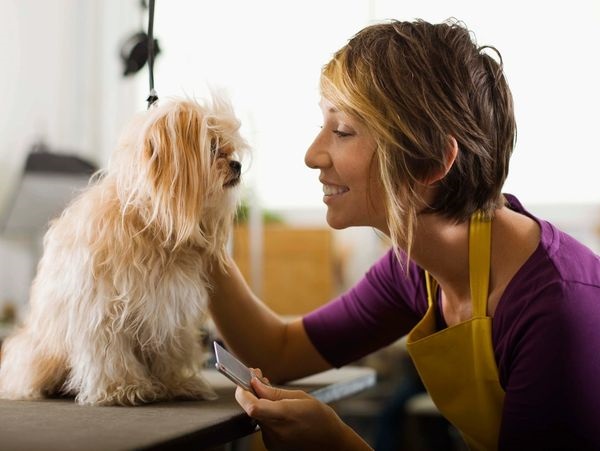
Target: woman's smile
[(332, 191)]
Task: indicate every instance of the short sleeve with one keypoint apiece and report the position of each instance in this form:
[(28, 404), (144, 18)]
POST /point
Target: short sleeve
[(382, 307)]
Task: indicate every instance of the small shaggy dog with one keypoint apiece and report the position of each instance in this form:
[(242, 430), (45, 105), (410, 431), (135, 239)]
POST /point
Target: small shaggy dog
[(120, 293)]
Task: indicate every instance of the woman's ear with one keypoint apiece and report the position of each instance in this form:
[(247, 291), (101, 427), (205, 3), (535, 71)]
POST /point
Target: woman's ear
[(450, 157)]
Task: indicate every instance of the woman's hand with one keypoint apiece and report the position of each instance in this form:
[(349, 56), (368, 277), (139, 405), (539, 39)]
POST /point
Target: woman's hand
[(294, 420)]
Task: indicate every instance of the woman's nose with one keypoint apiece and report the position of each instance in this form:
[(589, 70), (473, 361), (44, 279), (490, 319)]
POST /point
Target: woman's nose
[(317, 156)]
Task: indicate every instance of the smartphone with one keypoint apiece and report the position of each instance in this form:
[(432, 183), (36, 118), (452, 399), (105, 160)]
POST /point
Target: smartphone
[(231, 367)]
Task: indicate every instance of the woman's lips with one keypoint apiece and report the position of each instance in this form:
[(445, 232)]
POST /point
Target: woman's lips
[(333, 190)]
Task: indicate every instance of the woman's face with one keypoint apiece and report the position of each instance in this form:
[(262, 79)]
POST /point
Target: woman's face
[(344, 152)]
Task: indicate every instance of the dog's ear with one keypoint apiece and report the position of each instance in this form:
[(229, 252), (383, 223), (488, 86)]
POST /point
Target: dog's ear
[(177, 168)]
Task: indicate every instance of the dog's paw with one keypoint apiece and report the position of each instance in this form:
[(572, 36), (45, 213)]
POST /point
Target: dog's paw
[(124, 395), (194, 388), (21, 393)]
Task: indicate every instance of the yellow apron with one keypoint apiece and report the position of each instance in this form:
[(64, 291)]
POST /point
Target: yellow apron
[(457, 364)]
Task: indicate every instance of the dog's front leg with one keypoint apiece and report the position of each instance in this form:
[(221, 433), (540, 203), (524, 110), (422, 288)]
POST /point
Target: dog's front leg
[(179, 367), (106, 370)]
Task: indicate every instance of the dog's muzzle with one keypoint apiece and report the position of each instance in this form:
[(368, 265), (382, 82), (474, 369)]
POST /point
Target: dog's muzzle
[(236, 170), (236, 167)]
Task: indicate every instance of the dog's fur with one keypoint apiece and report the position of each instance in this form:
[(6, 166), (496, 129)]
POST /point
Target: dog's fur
[(120, 293)]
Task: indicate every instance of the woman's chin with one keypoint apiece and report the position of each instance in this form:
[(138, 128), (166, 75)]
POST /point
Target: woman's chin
[(335, 222), (339, 222)]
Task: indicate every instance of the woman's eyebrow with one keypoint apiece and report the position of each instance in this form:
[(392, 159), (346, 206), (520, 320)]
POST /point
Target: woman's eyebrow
[(330, 109)]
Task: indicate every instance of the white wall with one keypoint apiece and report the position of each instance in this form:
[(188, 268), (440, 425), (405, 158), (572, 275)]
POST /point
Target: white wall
[(60, 80)]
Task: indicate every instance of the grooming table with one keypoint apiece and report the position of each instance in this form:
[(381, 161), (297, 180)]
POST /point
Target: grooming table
[(60, 424)]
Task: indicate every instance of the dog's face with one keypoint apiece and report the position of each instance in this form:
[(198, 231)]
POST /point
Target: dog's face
[(178, 168)]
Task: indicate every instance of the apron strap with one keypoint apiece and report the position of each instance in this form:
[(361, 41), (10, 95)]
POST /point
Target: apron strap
[(480, 234), (480, 240), (432, 286)]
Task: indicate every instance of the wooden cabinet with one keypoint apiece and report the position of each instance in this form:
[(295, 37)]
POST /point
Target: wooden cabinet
[(298, 271)]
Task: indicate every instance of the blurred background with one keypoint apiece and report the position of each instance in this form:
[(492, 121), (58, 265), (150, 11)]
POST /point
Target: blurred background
[(64, 93)]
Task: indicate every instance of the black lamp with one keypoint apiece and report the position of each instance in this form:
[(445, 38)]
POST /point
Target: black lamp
[(136, 50)]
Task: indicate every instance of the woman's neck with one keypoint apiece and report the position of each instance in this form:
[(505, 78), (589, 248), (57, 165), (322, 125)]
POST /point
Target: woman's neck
[(441, 247)]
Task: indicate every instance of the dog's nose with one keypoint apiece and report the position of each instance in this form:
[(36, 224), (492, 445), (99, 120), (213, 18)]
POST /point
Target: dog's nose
[(235, 166)]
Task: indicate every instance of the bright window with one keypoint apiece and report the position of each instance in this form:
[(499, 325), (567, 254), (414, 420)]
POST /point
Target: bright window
[(267, 55)]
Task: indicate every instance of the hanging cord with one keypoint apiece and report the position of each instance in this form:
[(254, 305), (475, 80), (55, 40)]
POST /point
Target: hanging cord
[(152, 97)]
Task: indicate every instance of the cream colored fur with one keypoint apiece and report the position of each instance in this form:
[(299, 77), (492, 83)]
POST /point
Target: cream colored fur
[(119, 298)]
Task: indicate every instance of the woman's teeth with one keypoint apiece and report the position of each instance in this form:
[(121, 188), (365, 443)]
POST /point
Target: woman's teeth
[(331, 190)]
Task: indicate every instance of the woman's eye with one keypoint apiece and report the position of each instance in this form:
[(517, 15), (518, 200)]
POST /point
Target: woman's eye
[(341, 134)]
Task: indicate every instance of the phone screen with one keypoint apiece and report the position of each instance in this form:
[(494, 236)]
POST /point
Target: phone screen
[(231, 367)]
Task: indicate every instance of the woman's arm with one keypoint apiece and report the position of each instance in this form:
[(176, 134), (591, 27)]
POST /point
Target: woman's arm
[(256, 334)]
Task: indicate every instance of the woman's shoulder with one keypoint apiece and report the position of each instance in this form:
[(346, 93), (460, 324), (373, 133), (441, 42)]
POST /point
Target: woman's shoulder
[(400, 279), (553, 299), (559, 258)]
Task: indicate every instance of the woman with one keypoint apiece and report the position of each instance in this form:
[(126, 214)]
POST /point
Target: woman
[(502, 309)]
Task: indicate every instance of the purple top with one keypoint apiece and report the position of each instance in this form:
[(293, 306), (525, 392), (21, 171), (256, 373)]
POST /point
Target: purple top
[(545, 333)]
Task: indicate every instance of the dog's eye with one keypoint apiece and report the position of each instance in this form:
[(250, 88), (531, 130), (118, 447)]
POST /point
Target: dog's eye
[(217, 151), (214, 146)]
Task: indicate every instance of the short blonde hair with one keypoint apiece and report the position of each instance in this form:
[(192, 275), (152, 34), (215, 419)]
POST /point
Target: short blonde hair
[(415, 85)]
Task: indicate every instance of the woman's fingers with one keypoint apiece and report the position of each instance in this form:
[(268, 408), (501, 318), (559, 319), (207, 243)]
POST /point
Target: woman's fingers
[(247, 400), (266, 391), (258, 374), (259, 409), (263, 404)]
